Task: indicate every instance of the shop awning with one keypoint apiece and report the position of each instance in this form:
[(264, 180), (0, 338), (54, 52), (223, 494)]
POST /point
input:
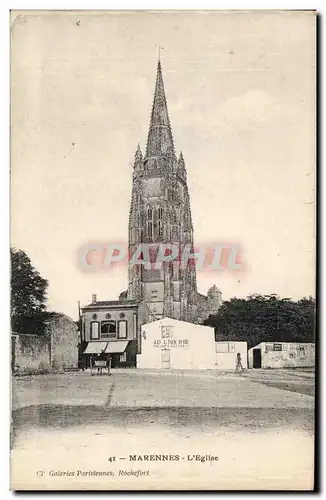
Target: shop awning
[(116, 347), (95, 347)]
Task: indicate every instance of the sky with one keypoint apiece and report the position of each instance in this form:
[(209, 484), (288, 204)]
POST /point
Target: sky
[(240, 89)]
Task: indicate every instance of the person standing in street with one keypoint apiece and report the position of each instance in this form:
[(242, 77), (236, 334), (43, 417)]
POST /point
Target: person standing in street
[(238, 366)]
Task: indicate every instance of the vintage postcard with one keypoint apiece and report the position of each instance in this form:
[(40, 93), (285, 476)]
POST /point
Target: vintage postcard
[(163, 250)]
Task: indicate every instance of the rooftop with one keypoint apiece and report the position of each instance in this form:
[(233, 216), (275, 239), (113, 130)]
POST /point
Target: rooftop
[(105, 303)]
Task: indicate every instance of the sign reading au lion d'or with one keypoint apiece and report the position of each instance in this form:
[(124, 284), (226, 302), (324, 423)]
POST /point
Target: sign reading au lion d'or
[(168, 343)]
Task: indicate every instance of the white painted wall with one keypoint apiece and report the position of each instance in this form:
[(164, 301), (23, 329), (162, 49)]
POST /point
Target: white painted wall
[(292, 355), (227, 360), (191, 346)]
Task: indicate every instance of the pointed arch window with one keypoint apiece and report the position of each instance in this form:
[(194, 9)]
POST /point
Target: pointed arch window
[(149, 223), (160, 220)]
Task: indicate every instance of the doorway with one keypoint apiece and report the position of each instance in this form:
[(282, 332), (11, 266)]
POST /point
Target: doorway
[(256, 358), (166, 358)]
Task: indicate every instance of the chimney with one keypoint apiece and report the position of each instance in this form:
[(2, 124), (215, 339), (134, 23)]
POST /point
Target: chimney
[(94, 298)]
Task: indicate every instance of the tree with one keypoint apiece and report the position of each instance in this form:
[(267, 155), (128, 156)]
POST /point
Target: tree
[(265, 318), (28, 295)]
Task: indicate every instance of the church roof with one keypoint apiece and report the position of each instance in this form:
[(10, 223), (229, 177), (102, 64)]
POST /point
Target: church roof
[(160, 135)]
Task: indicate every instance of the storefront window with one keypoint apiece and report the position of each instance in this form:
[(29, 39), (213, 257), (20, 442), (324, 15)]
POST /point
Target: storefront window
[(122, 329), (108, 329), (94, 330)]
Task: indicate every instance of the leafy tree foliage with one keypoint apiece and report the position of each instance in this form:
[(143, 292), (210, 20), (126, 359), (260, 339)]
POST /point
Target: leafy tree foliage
[(265, 318), (28, 295)]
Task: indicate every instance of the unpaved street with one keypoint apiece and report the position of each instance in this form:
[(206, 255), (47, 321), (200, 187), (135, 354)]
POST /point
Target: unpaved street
[(257, 429)]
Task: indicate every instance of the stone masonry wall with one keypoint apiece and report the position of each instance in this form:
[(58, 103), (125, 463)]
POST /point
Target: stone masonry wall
[(30, 354), (64, 342)]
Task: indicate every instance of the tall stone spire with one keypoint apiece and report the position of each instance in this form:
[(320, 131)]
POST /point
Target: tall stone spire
[(160, 212), (159, 139)]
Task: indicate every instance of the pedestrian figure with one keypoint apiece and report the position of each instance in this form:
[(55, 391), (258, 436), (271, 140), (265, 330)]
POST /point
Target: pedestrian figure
[(238, 366), (99, 368), (108, 364)]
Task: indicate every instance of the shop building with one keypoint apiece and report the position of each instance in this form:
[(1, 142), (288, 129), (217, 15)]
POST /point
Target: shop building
[(282, 355), (172, 344), (116, 330), (112, 329)]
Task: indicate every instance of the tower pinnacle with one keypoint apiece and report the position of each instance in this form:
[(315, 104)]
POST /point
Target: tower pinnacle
[(159, 140), (138, 154)]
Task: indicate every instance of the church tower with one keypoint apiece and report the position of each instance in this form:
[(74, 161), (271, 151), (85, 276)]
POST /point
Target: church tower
[(160, 213)]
